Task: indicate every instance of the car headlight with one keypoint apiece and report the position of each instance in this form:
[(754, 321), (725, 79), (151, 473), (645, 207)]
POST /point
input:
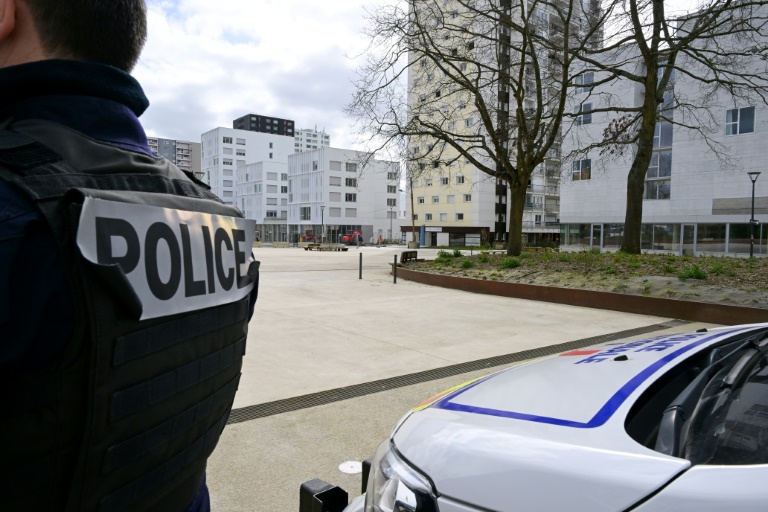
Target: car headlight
[(394, 486)]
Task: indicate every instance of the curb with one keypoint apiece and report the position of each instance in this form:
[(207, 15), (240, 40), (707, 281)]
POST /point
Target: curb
[(668, 308)]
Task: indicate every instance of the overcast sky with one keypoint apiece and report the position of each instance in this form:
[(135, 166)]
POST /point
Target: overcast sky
[(208, 62)]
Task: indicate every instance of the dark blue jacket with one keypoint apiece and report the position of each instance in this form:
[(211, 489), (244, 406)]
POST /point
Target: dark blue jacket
[(36, 312)]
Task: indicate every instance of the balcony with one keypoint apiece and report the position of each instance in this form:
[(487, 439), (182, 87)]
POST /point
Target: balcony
[(541, 226)]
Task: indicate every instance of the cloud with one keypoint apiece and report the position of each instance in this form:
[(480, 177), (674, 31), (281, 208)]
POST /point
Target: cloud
[(207, 63)]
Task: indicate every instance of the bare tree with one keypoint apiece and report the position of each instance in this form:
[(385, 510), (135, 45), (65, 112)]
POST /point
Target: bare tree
[(719, 49), (477, 83)]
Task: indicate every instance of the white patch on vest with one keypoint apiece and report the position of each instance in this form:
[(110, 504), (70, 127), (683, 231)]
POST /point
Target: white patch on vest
[(176, 261)]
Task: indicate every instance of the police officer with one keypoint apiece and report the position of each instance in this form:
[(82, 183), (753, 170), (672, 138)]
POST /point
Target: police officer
[(125, 285)]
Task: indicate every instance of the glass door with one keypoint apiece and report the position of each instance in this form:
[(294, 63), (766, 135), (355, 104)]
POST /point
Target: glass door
[(596, 242)]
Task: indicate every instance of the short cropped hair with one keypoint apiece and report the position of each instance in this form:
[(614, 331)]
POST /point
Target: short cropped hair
[(107, 31)]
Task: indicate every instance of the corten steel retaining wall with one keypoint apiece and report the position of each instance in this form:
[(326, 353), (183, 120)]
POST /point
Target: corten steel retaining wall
[(669, 308)]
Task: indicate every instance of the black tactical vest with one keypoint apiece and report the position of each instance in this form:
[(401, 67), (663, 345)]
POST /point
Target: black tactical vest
[(161, 273)]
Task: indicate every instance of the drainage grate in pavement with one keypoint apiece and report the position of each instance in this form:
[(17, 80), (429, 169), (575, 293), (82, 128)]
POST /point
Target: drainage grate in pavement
[(336, 395)]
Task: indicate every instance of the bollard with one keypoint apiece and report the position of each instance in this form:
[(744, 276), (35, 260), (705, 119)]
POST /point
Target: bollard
[(394, 269), (361, 265)]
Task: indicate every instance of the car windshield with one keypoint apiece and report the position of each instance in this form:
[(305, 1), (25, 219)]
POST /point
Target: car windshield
[(730, 425), (712, 408)]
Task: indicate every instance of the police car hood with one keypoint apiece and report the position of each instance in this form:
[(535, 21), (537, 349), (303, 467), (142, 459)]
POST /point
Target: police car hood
[(549, 435)]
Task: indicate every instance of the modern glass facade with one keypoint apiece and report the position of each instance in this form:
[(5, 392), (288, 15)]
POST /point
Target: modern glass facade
[(732, 239)]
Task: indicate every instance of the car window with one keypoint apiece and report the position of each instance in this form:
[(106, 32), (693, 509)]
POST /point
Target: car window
[(732, 425), (711, 408)]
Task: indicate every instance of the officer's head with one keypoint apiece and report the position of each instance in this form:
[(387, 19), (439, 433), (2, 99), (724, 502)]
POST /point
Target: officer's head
[(107, 31)]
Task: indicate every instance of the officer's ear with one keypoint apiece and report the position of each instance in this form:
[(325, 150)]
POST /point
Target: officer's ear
[(7, 18)]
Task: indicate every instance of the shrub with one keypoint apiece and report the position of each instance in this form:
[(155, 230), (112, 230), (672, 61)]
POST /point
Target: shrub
[(467, 264), (483, 258), (564, 258), (457, 253), (510, 263), (692, 272)]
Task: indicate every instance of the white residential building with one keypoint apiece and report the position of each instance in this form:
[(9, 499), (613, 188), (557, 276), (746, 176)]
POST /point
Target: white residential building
[(262, 194), (183, 153), (694, 201), (338, 191), (308, 139), (226, 150)]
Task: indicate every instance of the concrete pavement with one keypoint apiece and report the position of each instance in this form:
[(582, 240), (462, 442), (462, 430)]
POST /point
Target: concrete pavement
[(318, 327)]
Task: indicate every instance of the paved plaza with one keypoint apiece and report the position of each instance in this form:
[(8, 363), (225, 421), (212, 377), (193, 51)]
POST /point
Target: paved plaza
[(318, 327)]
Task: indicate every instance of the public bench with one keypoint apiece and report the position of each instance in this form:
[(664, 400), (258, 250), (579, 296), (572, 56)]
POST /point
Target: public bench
[(406, 256)]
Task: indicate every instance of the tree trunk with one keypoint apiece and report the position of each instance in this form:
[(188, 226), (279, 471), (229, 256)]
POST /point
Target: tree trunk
[(633, 219), (516, 205)]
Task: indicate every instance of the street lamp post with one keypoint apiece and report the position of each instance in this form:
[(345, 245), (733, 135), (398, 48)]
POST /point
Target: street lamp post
[(322, 223), (390, 223), (752, 176)]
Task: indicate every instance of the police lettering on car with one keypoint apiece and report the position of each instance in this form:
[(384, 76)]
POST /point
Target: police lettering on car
[(176, 261)]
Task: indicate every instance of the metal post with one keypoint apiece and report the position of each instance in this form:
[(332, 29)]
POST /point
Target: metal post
[(752, 176), (361, 265), (322, 223), (394, 269), (391, 235)]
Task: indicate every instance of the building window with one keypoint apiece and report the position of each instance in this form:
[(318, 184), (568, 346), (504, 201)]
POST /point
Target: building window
[(391, 175), (657, 180), (227, 193), (350, 212), (740, 120), (435, 199), (227, 183), (451, 199), (284, 176), (334, 197), (350, 182), (459, 180), (459, 216), (240, 152), (582, 169), (334, 212), (272, 201), (334, 181), (662, 135), (226, 140), (444, 181), (415, 216), (240, 142), (272, 176), (271, 189), (305, 213), (443, 217), (584, 82), (350, 198), (391, 202), (283, 189), (351, 167), (420, 200), (271, 214), (270, 145), (427, 216), (270, 155), (469, 122), (583, 114), (227, 161), (467, 198), (391, 189), (428, 182)]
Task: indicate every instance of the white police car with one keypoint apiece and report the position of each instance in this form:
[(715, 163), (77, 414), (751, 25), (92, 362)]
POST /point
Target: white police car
[(676, 422)]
